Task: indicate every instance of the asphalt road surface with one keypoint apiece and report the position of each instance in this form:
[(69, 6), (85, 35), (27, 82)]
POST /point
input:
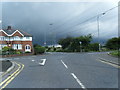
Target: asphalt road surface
[(66, 70)]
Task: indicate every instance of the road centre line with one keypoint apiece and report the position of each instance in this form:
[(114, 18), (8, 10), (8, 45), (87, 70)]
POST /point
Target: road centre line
[(11, 77), (78, 81), (64, 64)]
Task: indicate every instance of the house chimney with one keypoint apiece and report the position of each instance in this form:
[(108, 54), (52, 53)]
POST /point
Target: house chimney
[(9, 28)]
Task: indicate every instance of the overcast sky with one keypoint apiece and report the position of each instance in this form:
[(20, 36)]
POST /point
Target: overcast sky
[(60, 19)]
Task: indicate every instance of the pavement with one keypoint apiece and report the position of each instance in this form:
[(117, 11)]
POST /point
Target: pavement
[(5, 65), (66, 70)]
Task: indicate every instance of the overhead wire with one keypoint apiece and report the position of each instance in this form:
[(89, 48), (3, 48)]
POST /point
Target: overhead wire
[(65, 31)]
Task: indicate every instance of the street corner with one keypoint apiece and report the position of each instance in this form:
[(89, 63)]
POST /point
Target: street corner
[(10, 73)]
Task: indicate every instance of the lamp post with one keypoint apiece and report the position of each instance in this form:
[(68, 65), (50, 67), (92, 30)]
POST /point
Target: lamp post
[(98, 28), (80, 46), (98, 32), (45, 38), (53, 34)]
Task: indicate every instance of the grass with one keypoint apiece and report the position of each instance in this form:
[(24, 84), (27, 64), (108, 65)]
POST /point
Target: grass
[(115, 53)]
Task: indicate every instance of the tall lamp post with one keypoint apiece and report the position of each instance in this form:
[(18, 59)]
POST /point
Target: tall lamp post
[(53, 35), (98, 27)]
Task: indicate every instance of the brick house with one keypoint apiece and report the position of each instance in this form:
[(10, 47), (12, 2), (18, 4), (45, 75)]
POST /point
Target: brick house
[(16, 39)]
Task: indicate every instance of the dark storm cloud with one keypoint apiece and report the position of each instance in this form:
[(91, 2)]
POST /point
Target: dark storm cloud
[(59, 19)]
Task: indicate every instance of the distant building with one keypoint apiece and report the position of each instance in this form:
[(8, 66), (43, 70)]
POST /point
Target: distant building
[(56, 46), (16, 39)]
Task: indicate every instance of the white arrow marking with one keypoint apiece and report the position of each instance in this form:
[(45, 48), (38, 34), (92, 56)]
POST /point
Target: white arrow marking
[(33, 60), (43, 62)]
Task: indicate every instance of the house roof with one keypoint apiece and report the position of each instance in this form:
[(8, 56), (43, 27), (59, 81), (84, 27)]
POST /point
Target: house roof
[(10, 31)]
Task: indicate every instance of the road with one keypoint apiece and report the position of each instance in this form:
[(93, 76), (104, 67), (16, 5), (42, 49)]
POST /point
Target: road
[(66, 70)]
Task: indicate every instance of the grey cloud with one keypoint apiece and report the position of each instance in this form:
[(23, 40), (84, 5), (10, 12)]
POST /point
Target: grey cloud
[(35, 18)]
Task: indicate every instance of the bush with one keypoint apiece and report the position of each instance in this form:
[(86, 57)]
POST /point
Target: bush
[(115, 53), (7, 50), (94, 47), (39, 49), (18, 52), (113, 43)]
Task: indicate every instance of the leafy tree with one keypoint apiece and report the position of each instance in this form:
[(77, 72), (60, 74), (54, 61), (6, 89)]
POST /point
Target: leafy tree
[(65, 42), (85, 39), (73, 44), (113, 43), (94, 47)]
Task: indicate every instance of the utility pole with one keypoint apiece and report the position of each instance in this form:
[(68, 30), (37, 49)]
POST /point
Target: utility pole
[(98, 27), (98, 33)]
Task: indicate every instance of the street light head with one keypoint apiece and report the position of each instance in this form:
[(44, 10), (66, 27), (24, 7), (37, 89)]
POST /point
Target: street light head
[(51, 24), (103, 13)]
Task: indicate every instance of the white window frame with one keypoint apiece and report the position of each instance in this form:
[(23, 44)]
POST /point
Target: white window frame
[(17, 46), (27, 49)]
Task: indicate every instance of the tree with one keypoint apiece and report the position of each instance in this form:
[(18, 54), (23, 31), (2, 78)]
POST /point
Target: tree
[(72, 44), (94, 47), (85, 39), (65, 42), (113, 43)]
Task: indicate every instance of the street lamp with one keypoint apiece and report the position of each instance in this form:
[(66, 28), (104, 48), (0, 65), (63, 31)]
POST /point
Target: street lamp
[(51, 33), (45, 38), (80, 46), (98, 27)]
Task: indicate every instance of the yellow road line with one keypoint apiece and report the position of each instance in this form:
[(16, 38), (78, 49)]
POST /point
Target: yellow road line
[(5, 73), (114, 65), (10, 78)]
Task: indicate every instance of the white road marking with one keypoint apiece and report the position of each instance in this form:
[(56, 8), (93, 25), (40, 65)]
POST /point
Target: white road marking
[(108, 60), (64, 64), (33, 56), (16, 58), (33, 60), (79, 82), (43, 62), (116, 66)]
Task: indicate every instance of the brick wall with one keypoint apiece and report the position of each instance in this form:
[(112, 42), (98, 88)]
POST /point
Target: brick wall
[(15, 55)]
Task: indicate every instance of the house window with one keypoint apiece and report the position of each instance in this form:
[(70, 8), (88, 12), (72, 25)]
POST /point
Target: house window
[(17, 46), (27, 47), (17, 38), (27, 37), (2, 38)]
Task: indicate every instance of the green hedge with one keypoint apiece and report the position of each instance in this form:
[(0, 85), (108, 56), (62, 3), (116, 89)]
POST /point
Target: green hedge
[(115, 53), (39, 49)]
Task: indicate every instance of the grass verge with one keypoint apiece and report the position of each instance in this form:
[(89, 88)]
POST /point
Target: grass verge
[(115, 53)]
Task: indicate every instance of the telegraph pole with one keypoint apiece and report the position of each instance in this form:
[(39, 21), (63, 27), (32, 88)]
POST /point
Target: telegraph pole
[(98, 28)]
